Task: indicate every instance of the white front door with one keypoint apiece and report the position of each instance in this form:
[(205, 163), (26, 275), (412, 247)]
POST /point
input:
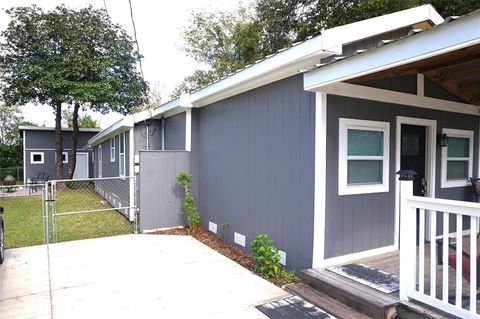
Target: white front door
[(81, 169)]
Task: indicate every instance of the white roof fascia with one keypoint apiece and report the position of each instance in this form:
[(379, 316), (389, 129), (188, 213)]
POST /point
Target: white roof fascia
[(281, 65), (306, 54), (45, 128), (113, 130), (366, 28), (442, 39)]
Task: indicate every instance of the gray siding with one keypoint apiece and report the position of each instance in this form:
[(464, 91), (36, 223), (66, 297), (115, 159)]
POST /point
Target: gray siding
[(360, 222), (175, 132), (160, 194), (44, 141), (112, 168), (253, 166), (154, 139)]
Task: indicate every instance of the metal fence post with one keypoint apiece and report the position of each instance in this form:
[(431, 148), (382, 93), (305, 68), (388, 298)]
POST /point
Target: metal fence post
[(46, 213)]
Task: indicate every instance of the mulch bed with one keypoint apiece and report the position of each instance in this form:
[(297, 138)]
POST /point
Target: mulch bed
[(209, 239)]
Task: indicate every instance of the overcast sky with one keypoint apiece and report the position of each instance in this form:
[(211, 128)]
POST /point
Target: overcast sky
[(158, 26)]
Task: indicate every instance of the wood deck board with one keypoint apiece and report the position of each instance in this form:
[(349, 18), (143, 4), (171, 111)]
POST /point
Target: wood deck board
[(325, 302)]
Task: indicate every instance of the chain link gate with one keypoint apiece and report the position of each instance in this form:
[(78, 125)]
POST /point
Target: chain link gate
[(89, 208)]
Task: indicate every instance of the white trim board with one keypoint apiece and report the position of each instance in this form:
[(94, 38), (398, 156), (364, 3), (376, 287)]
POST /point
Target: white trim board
[(381, 95), (131, 164), (430, 163), (318, 253)]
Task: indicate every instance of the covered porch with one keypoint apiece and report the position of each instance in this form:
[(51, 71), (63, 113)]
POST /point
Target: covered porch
[(388, 89)]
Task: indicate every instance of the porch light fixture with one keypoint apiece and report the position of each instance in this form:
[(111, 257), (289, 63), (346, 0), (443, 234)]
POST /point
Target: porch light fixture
[(444, 140)]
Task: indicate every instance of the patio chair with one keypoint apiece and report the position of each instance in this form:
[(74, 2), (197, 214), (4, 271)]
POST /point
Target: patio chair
[(38, 181)]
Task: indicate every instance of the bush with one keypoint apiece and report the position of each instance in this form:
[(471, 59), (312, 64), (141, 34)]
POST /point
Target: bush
[(265, 257), (192, 215)]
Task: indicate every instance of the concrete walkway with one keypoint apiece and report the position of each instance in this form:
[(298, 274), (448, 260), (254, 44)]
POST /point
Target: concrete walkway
[(132, 276)]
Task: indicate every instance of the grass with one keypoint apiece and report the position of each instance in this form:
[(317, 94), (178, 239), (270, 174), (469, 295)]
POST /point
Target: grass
[(24, 225)]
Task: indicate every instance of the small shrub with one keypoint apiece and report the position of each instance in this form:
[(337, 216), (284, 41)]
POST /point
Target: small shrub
[(192, 215), (223, 229), (265, 257)]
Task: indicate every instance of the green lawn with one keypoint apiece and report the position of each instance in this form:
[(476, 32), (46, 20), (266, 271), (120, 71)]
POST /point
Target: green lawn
[(24, 226)]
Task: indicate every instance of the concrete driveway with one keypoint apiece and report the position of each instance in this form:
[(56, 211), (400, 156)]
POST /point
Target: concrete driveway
[(132, 276)]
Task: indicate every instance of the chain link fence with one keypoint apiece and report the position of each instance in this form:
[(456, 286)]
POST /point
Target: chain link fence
[(90, 208), (65, 210)]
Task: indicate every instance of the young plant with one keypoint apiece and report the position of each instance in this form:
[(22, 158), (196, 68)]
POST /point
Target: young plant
[(223, 229), (265, 257), (192, 215)]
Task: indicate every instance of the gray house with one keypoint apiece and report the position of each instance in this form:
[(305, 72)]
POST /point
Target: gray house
[(39, 151), (304, 145)]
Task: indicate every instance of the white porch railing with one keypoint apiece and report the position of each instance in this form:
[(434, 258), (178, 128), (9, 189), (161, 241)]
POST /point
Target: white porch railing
[(421, 278)]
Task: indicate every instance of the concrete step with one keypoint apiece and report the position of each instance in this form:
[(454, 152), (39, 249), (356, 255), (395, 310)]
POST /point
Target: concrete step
[(325, 302), (353, 295)]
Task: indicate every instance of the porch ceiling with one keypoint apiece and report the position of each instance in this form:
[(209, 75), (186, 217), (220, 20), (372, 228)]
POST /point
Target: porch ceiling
[(457, 72)]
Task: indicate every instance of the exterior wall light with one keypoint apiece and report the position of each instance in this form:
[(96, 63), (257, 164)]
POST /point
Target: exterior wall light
[(444, 140)]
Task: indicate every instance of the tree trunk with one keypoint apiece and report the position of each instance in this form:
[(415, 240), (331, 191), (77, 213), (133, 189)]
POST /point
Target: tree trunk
[(73, 154), (58, 141)]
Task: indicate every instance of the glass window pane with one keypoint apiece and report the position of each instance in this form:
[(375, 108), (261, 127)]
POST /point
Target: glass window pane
[(364, 172), (367, 143), (457, 170), (458, 147)]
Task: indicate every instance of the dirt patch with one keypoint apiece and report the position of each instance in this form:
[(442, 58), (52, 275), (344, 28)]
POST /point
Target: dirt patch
[(221, 246)]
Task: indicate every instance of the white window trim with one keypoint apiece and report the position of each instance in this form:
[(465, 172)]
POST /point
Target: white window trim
[(457, 183), (112, 149), (344, 125), (66, 157), (120, 158), (42, 154), (100, 161)]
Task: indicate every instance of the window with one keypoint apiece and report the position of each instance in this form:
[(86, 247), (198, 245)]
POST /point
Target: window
[(65, 157), (457, 158), (112, 149), (100, 156), (363, 160), (36, 158), (121, 156)]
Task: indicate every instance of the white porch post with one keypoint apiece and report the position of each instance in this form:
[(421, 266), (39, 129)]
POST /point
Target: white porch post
[(407, 237), (318, 255)]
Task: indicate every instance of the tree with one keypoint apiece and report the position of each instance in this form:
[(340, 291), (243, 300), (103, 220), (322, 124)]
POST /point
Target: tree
[(223, 41), (10, 116), (84, 121), (228, 41), (67, 57)]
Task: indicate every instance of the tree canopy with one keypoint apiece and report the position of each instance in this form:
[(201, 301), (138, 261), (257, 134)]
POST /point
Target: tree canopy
[(227, 41), (69, 57), (84, 121)]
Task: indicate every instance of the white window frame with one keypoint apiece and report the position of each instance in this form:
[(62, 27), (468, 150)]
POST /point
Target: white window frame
[(112, 149), (121, 156), (100, 161), (66, 157), (457, 183), (32, 154), (346, 124)]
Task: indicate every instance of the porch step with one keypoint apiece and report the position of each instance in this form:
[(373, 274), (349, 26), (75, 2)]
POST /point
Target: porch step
[(413, 310), (351, 294), (325, 302)]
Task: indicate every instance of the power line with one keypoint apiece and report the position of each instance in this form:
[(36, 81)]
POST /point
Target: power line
[(105, 5), (135, 37)]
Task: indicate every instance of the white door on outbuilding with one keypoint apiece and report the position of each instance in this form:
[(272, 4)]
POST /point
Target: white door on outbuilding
[(81, 169)]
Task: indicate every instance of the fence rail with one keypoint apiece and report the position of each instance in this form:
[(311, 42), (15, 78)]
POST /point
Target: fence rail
[(448, 229)]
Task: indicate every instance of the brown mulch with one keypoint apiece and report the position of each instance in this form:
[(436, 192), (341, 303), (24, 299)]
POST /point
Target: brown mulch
[(209, 239)]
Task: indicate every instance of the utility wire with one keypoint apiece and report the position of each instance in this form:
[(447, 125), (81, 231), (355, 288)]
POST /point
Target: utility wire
[(105, 5), (135, 37)]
